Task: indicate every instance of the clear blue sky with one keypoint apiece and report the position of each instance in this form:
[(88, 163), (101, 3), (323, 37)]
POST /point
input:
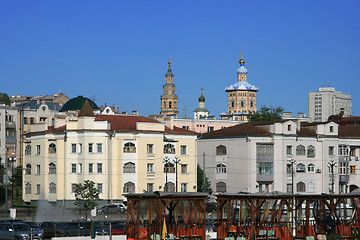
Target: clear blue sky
[(118, 50)]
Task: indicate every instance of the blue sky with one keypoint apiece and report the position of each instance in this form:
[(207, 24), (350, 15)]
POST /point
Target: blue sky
[(118, 50)]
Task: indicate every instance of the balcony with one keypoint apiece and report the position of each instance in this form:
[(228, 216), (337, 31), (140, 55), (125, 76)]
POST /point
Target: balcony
[(10, 124), (264, 177)]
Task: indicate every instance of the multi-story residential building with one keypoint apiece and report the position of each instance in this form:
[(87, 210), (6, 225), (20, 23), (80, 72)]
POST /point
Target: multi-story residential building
[(59, 98), (169, 100), (327, 102), (120, 153), (242, 96), (283, 156)]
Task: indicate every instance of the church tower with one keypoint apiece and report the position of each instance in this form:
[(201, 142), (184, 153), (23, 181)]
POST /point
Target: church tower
[(241, 96), (169, 100), (201, 111)]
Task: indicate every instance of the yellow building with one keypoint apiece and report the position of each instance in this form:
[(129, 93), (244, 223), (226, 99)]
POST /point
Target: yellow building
[(120, 153), (169, 100)]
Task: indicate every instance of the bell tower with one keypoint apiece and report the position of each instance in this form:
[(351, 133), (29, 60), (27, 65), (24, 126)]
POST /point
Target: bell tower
[(169, 100)]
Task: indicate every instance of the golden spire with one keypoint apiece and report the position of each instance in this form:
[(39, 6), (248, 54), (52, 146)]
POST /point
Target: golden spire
[(169, 63), (242, 61)]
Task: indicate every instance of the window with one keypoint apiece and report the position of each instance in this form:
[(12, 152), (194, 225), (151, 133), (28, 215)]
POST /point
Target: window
[(220, 168), (265, 150), (150, 149), (129, 187), (210, 129), (73, 147), (311, 151), (289, 127), (265, 168), (28, 169), (289, 188), (184, 187), (80, 148), (311, 167), (300, 150), (37, 169), (100, 187), (52, 148), (169, 148), (28, 150), (185, 127), (80, 167), (221, 150), (150, 168), (344, 150), (352, 169), (27, 188), (91, 167), (129, 147), (311, 187), (73, 187), (169, 168), (25, 120), (52, 168), (289, 150), (220, 187), (43, 119), (37, 189), (99, 147), (300, 167), (331, 129), (331, 150), (91, 147), (73, 168), (99, 168), (129, 167), (31, 120), (37, 149), (52, 187), (289, 168), (183, 150), (184, 168), (150, 187), (300, 187), (169, 187)]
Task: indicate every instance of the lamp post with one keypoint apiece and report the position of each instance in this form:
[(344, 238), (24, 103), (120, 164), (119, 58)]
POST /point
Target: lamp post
[(176, 161), (166, 161), (292, 162), (331, 165), (12, 160)]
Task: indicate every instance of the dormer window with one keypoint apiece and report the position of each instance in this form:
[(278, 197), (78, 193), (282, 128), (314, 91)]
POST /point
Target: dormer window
[(289, 127), (331, 129)]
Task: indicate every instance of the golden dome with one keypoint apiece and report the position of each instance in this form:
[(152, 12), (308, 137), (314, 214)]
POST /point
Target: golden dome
[(242, 61)]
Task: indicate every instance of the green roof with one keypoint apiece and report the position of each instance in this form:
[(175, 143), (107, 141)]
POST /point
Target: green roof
[(199, 109), (77, 103)]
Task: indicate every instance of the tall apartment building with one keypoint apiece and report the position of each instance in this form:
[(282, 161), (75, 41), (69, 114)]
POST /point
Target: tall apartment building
[(327, 102)]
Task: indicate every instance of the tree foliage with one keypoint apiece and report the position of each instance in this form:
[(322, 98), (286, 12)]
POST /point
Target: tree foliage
[(86, 195), (5, 98), (266, 114), (200, 181)]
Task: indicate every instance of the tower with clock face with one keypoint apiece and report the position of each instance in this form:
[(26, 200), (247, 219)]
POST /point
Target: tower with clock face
[(169, 100)]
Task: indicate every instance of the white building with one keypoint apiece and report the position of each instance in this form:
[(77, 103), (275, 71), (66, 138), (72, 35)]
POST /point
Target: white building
[(257, 156), (327, 102)]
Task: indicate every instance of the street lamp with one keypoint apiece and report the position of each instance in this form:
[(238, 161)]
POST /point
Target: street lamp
[(12, 160), (176, 161), (292, 162), (166, 161), (331, 165)]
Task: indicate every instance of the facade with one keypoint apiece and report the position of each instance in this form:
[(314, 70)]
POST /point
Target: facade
[(327, 102), (242, 96), (120, 153), (59, 98), (260, 156), (169, 100)]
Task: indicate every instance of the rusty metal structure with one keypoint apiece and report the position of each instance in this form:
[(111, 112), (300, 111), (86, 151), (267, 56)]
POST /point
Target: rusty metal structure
[(182, 213)]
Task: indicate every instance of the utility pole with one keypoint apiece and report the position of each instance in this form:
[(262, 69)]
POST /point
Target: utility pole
[(292, 162), (204, 189), (331, 165), (166, 161)]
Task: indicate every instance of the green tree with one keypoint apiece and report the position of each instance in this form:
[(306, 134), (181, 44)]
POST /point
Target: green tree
[(200, 181), (266, 114), (17, 180), (86, 195), (5, 98)]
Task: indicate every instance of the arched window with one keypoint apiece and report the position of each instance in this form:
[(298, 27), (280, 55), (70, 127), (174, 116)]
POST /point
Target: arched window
[(311, 187), (129, 147), (28, 150), (242, 103), (300, 187), (52, 168), (311, 167), (300, 167), (129, 187), (232, 104), (169, 148), (221, 150), (220, 187), (52, 148), (129, 167), (52, 187), (220, 168), (311, 151), (170, 104), (28, 188), (169, 187), (28, 169), (300, 150)]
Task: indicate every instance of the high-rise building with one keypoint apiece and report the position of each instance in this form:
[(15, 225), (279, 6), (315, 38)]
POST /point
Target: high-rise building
[(327, 102), (241, 96), (169, 100)]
